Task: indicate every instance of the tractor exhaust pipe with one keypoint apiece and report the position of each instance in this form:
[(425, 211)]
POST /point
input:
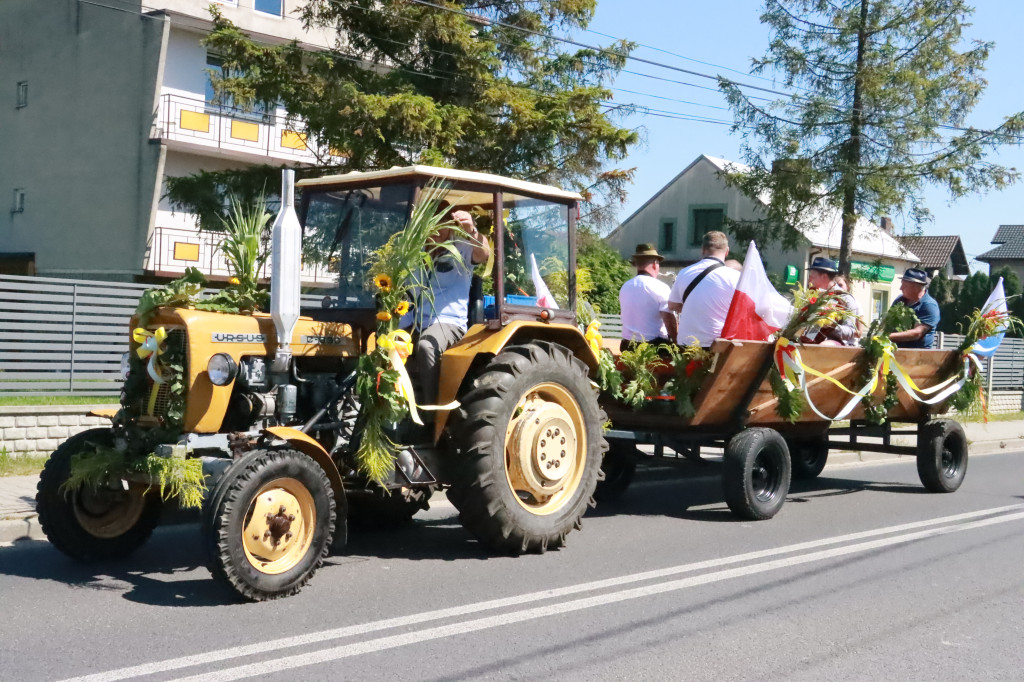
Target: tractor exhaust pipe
[(284, 276)]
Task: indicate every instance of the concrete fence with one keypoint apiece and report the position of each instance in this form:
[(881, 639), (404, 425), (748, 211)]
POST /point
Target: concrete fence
[(31, 429)]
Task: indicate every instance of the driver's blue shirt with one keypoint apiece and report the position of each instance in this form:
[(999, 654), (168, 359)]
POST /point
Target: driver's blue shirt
[(927, 311)]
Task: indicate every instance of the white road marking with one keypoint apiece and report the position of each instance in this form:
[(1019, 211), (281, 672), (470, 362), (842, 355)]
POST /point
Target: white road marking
[(517, 600), (561, 608)]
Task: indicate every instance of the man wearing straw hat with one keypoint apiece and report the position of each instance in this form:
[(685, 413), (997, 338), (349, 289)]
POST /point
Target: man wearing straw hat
[(643, 301)]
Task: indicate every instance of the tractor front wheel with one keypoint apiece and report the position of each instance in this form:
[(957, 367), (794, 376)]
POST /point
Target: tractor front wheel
[(92, 523), (270, 523)]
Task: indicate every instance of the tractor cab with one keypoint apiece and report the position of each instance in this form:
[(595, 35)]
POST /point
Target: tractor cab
[(531, 228)]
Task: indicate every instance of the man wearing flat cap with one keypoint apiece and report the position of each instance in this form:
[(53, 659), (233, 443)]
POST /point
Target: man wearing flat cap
[(822, 274), (914, 295), (643, 302)]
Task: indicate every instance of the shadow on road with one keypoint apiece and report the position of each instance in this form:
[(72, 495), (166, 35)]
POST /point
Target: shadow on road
[(170, 569), (693, 491)]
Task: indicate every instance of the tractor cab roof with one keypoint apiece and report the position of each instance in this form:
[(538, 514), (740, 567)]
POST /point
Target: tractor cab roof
[(469, 187)]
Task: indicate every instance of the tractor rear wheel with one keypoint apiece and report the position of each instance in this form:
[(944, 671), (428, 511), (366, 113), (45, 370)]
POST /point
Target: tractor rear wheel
[(530, 441)]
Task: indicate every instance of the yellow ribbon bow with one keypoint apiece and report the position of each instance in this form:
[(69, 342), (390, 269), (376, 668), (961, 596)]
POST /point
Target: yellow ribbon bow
[(594, 337), (398, 346), (151, 346)]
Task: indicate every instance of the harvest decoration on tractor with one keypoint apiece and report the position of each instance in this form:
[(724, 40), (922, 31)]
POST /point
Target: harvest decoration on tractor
[(287, 425)]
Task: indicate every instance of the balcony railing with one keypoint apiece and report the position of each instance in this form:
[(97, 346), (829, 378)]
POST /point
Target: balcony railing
[(183, 119), (173, 249)]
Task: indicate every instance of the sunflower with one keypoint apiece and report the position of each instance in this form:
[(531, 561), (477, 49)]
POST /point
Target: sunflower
[(384, 316), (383, 282), (402, 308)]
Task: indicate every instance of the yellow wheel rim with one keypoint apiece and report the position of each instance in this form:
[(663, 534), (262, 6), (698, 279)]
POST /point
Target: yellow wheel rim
[(278, 527), (545, 449), (105, 513)]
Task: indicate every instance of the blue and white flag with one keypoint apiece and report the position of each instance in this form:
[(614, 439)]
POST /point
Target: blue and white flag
[(984, 348)]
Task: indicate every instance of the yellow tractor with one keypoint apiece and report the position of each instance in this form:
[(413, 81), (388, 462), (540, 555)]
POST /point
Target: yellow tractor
[(267, 402)]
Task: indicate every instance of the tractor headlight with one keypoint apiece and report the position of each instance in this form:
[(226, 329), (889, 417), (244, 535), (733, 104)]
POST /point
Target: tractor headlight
[(222, 369), (126, 364)]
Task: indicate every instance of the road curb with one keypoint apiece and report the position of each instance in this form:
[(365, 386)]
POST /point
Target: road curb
[(25, 528)]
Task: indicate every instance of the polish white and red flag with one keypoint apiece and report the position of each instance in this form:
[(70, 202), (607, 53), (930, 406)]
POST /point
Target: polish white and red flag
[(757, 310)]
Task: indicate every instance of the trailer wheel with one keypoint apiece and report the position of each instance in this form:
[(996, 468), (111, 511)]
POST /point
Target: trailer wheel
[(270, 524), (941, 455), (756, 473), (808, 456), (379, 509), (530, 442), (618, 467), (92, 524)]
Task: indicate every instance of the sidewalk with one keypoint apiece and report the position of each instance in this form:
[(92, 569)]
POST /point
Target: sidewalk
[(18, 519)]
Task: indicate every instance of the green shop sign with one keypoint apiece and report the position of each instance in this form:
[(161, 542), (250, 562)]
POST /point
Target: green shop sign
[(873, 272)]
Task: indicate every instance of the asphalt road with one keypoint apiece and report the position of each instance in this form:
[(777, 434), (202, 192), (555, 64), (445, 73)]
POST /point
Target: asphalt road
[(862, 576)]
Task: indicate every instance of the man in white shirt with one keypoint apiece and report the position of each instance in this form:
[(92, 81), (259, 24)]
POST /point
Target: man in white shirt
[(643, 302), (441, 319), (703, 292)]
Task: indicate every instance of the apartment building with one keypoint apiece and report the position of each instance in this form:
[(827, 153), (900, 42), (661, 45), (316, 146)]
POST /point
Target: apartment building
[(101, 101)]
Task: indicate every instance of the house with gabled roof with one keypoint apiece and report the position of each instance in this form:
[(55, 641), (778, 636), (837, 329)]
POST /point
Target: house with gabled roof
[(939, 254), (1009, 250), (698, 200)]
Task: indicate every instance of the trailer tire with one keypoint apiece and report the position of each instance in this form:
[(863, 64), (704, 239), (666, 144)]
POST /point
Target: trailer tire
[(808, 456), (618, 467), (756, 473), (941, 455), (508, 496), (243, 535), (92, 524)]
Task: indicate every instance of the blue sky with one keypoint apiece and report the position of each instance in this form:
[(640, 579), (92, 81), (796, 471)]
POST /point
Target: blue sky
[(727, 33)]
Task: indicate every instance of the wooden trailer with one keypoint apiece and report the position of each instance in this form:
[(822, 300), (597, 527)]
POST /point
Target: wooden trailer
[(735, 410)]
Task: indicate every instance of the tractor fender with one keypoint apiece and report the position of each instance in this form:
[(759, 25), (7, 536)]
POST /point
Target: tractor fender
[(480, 339), (308, 445)]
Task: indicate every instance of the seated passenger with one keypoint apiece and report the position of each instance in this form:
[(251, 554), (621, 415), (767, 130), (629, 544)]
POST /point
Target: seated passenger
[(823, 274), (643, 302), (914, 295), (702, 293)]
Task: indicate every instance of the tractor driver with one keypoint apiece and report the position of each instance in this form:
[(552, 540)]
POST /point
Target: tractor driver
[(441, 318)]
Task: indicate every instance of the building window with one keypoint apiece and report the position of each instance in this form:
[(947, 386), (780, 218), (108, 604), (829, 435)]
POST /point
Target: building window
[(18, 205), (879, 304), (269, 7), (667, 236), (705, 220), (22, 94)]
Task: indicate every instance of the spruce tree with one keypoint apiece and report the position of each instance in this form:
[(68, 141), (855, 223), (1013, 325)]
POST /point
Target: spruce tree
[(880, 93)]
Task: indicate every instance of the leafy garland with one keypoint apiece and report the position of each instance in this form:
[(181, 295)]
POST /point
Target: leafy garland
[(401, 270), (970, 399), (637, 381), (876, 343), (181, 477), (691, 365), (814, 310)]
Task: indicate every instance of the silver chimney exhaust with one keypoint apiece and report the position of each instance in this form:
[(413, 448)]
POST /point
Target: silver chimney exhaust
[(284, 273)]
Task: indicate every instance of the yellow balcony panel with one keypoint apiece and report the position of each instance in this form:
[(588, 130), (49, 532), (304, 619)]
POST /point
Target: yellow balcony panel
[(193, 120), (293, 140), (250, 132), (186, 251)]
